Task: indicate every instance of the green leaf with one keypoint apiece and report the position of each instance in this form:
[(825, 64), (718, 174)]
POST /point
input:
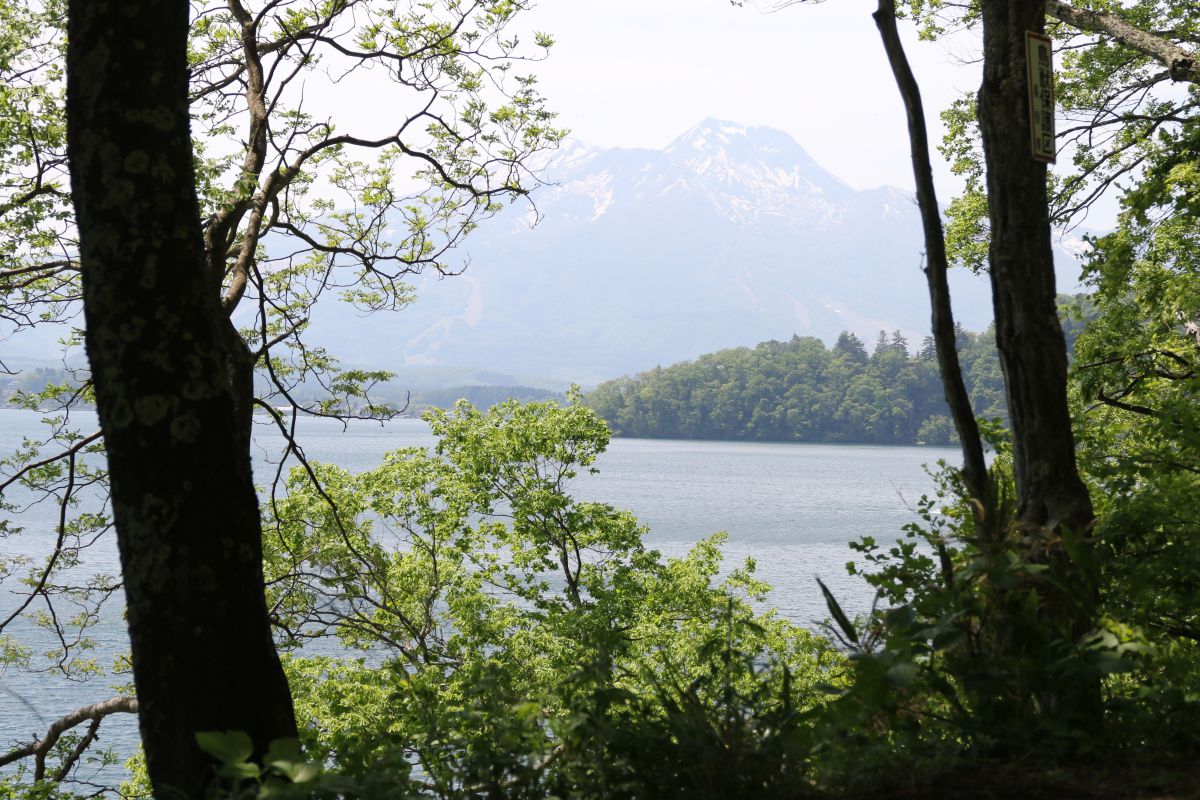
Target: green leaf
[(947, 638), (902, 674), (239, 770), (839, 616), (283, 750), (297, 771), (229, 747)]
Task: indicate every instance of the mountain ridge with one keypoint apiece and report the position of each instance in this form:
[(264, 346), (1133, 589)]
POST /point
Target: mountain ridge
[(729, 235)]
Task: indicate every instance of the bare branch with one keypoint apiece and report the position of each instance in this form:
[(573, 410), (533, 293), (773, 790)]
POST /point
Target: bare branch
[(41, 748)]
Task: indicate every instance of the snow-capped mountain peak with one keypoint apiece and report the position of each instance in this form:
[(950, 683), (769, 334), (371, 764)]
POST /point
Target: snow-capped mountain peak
[(731, 235), (757, 172), (734, 154)]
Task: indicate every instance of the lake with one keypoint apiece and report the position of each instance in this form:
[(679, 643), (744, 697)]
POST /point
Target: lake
[(790, 507)]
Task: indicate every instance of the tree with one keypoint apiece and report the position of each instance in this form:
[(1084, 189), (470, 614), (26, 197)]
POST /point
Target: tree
[(1115, 60), (1134, 373), (1021, 266), (851, 347), (200, 272), (944, 328), (1051, 499), (177, 443), (882, 345), (1053, 509), (543, 650), (1117, 93), (798, 390)]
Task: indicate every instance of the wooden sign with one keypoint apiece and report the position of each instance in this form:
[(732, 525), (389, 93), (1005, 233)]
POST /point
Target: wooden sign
[(1039, 56)]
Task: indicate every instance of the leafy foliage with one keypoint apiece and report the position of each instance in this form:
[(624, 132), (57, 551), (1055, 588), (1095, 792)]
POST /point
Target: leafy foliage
[(492, 646), (1120, 108), (499, 633), (458, 624), (296, 211), (1136, 384), (800, 390)]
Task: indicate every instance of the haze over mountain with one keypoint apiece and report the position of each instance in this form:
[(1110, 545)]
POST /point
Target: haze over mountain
[(729, 236)]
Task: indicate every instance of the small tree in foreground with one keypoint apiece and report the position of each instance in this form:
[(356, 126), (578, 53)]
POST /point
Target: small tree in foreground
[(211, 207), (498, 635)]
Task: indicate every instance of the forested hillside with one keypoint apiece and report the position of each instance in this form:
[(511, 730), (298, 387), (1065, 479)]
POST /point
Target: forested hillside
[(801, 390)]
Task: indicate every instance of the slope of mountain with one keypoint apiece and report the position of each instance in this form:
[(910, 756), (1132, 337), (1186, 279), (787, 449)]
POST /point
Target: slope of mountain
[(729, 236)]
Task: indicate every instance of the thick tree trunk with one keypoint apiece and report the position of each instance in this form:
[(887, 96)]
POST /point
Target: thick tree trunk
[(184, 503), (1028, 334), (1051, 498)]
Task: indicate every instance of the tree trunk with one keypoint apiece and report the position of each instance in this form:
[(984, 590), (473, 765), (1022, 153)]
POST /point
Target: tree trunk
[(1051, 497), (1028, 334), (974, 469), (184, 503)]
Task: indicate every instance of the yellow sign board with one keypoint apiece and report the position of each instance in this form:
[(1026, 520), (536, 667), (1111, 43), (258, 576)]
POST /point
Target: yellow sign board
[(1039, 55)]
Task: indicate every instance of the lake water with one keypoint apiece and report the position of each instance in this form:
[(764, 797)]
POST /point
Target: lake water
[(790, 507)]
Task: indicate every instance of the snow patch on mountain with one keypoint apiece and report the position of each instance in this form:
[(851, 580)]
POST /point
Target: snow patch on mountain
[(730, 235)]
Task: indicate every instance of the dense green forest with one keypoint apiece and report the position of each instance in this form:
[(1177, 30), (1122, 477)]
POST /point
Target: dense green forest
[(455, 623), (803, 391)]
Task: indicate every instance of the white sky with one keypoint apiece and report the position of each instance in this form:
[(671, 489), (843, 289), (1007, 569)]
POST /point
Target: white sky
[(641, 72), (638, 73)]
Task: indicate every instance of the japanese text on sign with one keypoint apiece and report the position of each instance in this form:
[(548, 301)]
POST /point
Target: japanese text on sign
[(1039, 57)]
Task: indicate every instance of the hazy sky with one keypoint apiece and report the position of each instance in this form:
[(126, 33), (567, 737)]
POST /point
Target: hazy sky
[(640, 72)]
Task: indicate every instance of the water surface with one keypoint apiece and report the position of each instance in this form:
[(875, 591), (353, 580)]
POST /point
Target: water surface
[(790, 507)]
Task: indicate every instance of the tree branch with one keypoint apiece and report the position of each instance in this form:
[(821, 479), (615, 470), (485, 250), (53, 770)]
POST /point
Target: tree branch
[(1181, 64), (39, 749)]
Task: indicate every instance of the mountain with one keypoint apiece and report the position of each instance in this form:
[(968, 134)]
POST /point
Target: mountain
[(729, 236)]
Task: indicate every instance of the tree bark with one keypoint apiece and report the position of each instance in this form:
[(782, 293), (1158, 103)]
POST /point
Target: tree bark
[(40, 748), (1052, 501), (184, 504), (974, 470), (1033, 353)]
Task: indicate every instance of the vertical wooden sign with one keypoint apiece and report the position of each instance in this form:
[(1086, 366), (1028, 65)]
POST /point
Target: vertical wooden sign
[(1039, 57)]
